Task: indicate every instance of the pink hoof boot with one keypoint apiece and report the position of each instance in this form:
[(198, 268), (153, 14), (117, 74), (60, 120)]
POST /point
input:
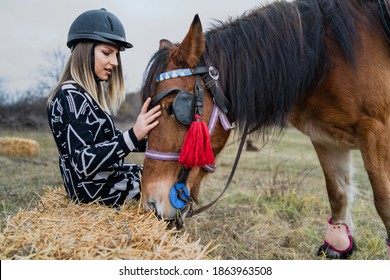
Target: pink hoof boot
[(338, 243)]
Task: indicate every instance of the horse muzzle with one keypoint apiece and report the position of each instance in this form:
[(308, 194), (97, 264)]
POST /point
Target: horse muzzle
[(174, 208)]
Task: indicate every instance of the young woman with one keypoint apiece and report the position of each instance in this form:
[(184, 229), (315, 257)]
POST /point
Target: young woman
[(91, 149)]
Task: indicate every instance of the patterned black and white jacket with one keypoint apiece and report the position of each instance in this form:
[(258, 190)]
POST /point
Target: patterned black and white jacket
[(92, 150)]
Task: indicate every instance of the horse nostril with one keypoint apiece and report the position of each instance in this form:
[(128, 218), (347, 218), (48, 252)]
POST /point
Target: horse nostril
[(152, 206)]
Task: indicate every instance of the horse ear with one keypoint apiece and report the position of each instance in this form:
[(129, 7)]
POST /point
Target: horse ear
[(164, 43), (193, 45)]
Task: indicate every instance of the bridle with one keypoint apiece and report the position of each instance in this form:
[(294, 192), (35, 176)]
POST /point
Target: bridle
[(185, 105), (191, 100)]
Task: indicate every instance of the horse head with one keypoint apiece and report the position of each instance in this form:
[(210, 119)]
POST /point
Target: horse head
[(179, 79)]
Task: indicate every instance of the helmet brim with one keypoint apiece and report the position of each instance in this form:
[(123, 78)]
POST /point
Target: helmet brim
[(114, 40)]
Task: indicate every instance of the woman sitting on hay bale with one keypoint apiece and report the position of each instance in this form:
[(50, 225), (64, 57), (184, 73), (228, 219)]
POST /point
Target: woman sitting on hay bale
[(91, 149)]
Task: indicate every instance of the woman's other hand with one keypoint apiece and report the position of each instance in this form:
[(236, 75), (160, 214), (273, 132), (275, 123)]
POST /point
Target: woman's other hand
[(146, 120)]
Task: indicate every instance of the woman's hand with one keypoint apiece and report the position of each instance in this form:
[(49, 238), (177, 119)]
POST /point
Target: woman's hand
[(146, 120)]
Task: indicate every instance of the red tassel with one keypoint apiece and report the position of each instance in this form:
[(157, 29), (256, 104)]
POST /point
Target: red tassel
[(196, 149)]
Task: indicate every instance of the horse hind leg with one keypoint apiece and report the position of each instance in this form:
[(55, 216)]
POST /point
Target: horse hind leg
[(374, 141), (336, 165)]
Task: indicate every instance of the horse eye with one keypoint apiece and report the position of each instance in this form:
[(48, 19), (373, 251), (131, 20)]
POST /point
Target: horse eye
[(169, 109)]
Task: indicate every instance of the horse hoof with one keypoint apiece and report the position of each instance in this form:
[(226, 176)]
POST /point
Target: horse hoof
[(331, 253)]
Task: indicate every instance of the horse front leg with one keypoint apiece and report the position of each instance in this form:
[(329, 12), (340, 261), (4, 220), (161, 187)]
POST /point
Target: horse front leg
[(335, 163), (374, 143)]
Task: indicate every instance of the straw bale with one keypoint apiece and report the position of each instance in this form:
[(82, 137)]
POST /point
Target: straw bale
[(18, 147), (57, 228)]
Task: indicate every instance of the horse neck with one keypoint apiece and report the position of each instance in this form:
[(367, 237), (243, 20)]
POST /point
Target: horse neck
[(273, 57)]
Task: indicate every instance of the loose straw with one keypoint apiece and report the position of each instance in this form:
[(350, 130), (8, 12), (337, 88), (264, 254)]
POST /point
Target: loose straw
[(60, 229)]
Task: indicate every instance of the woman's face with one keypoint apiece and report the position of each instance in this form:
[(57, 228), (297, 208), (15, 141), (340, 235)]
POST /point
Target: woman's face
[(106, 59)]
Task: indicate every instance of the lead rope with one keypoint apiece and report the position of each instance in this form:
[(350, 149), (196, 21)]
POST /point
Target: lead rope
[(193, 212)]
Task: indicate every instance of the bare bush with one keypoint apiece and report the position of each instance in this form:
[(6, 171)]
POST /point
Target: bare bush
[(51, 72), (29, 112)]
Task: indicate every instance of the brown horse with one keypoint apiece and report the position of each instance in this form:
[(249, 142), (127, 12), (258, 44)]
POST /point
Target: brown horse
[(321, 65)]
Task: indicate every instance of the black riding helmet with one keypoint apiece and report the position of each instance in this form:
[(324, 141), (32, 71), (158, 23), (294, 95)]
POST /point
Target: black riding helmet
[(98, 25)]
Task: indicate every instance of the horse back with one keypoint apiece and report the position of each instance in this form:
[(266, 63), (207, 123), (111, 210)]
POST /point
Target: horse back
[(349, 94)]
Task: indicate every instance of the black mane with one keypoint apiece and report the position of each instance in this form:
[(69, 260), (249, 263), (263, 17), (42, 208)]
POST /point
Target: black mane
[(272, 56)]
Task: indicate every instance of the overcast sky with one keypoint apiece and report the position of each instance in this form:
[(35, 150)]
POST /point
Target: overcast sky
[(29, 28)]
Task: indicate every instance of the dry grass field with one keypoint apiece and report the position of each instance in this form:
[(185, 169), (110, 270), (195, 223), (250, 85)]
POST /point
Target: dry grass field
[(276, 207)]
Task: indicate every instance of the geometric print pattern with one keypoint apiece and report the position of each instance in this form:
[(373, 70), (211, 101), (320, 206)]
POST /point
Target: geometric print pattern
[(92, 150)]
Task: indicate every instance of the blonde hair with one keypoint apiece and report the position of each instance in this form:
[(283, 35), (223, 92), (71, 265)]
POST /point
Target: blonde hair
[(109, 95)]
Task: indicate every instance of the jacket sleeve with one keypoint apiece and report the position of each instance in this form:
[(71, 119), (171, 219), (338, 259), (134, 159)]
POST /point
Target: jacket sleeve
[(140, 146)]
